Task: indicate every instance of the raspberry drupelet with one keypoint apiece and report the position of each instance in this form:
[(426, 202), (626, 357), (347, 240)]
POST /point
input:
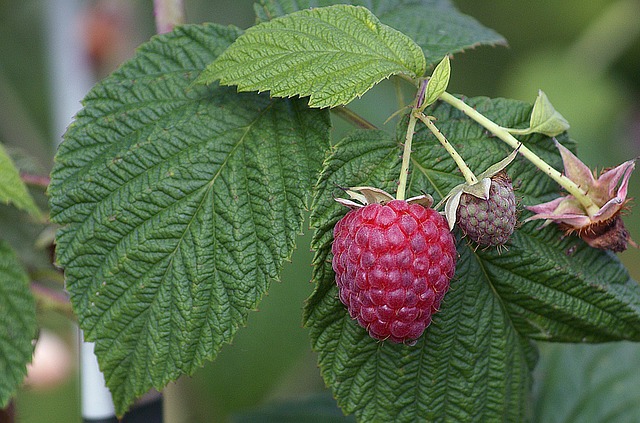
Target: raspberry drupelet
[(393, 264)]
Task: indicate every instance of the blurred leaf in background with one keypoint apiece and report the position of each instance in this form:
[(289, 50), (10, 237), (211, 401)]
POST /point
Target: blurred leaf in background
[(587, 383), (24, 94), (319, 408)]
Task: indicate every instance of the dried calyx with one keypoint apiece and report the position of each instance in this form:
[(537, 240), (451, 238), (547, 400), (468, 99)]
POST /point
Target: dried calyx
[(362, 196), (603, 227)]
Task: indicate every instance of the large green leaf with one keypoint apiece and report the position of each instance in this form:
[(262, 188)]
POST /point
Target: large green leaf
[(553, 287), (17, 324), (332, 54), (179, 204), (435, 25), (12, 189), (474, 361)]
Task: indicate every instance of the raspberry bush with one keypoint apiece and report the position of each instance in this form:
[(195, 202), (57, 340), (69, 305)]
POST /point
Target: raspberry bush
[(181, 186)]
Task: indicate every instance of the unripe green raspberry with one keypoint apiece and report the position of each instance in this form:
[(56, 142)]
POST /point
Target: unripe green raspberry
[(489, 222)]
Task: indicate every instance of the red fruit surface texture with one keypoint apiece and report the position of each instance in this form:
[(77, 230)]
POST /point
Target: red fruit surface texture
[(393, 265)]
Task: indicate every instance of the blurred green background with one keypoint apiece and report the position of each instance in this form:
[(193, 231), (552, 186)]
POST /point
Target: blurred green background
[(584, 55)]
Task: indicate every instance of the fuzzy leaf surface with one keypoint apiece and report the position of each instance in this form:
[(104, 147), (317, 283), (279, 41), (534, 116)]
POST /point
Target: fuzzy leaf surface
[(17, 324), (179, 203), (332, 54), (435, 25), (474, 361), (12, 189)]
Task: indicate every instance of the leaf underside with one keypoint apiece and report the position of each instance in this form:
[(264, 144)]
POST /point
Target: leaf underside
[(17, 324), (332, 55), (474, 361), (179, 203), (435, 25)]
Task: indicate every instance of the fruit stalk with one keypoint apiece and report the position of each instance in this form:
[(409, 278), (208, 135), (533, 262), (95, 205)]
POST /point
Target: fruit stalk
[(406, 156), (469, 177), (572, 188)]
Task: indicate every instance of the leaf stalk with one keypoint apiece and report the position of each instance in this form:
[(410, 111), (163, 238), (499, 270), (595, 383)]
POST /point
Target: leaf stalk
[(406, 155)]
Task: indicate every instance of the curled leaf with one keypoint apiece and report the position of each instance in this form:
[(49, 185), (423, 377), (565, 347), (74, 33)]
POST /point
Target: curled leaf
[(545, 119), (438, 83)]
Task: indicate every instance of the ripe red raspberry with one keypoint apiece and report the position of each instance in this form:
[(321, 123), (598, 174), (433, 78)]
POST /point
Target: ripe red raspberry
[(393, 263), (489, 222)]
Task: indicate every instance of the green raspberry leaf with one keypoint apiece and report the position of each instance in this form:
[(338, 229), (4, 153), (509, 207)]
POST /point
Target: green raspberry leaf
[(332, 54), (474, 362), (179, 203), (17, 324), (12, 189), (554, 287), (435, 25)]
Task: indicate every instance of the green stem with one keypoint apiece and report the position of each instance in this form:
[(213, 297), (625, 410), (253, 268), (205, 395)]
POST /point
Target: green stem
[(566, 183), (515, 131), (406, 155), (352, 117), (466, 172), (49, 275)]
